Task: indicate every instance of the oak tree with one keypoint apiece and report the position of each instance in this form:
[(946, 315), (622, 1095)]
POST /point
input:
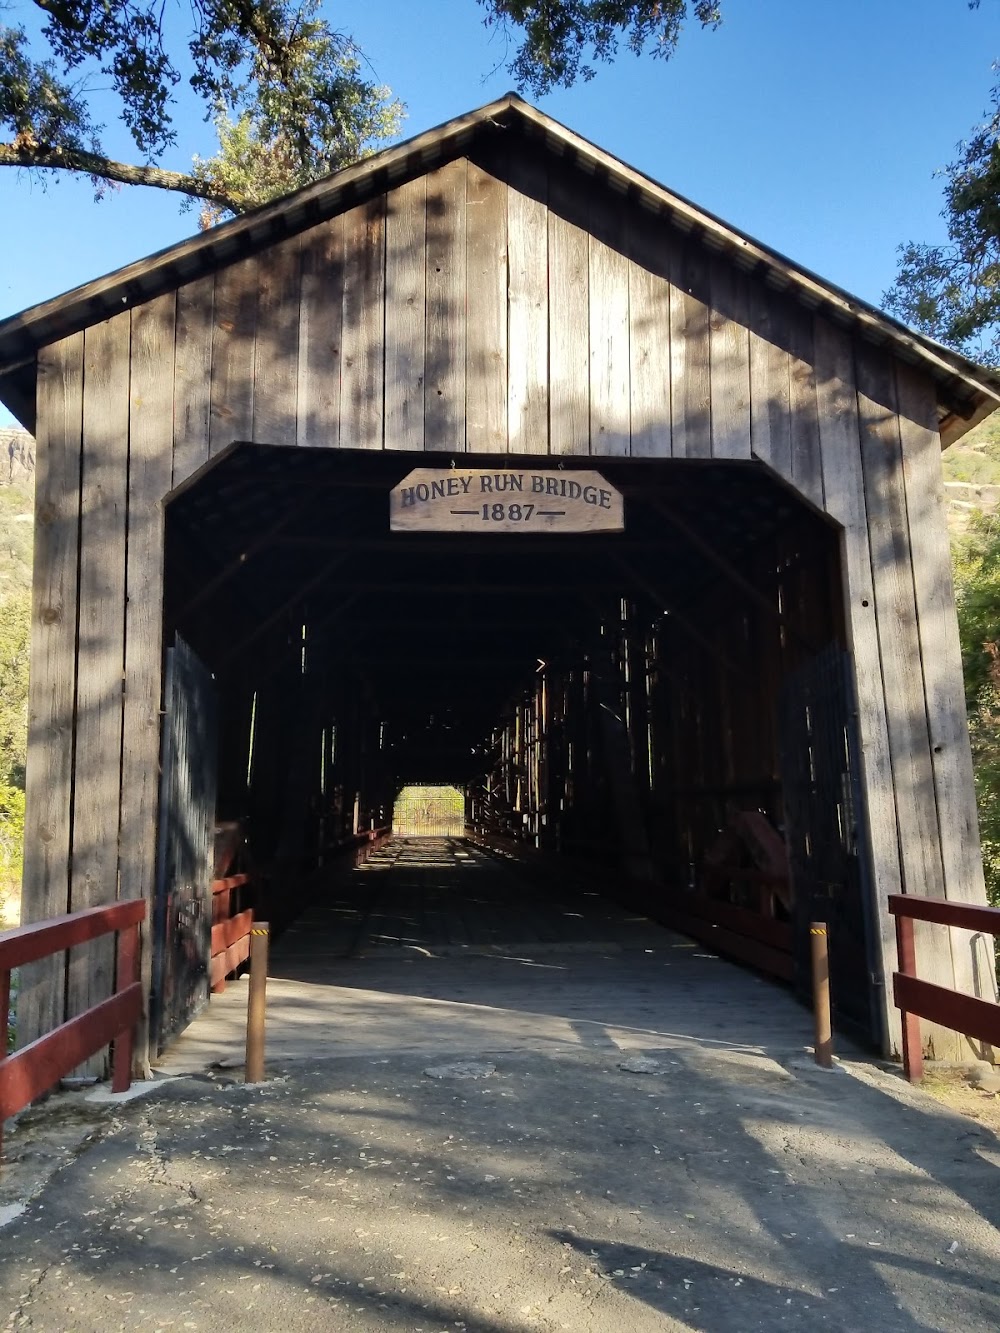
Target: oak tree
[(287, 92), (559, 41), (952, 291)]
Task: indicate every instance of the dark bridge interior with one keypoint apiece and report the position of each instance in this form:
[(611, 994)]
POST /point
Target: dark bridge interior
[(626, 698)]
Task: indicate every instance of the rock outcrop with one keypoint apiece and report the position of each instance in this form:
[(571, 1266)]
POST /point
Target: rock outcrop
[(17, 455)]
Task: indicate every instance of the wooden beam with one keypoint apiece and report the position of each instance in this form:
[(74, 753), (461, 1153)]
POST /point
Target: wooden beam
[(414, 544), (485, 591), (677, 618), (729, 570), (299, 592), (308, 499)]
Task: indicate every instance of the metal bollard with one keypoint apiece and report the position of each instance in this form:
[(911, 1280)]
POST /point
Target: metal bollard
[(820, 949), (260, 938)]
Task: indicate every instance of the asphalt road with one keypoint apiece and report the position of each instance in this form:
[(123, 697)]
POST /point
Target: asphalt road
[(731, 1186), (720, 1192)]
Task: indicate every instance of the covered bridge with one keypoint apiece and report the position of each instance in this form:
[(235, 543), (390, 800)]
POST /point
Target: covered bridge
[(741, 693)]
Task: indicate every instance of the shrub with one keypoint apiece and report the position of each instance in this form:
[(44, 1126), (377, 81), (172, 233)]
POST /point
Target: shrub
[(11, 853)]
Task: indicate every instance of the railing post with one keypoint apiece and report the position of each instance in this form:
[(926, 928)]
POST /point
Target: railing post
[(820, 951), (260, 933), (128, 975), (913, 1055), (4, 1019)]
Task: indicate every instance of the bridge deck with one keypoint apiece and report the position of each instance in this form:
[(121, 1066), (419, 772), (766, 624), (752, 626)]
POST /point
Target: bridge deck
[(435, 945)]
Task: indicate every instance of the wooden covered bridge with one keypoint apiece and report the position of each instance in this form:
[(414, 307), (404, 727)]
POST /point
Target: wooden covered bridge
[(490, 462)]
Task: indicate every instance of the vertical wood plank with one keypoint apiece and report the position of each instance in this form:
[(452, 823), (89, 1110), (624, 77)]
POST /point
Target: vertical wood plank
[(649, 343), (569, 322), (897, 625), (691, 393), (610, 387), (97, 777), (444, 385), (729, 361), (528, 345), (235, 321), (486, 335), (276, 349), (150, 410), (845, 503), (47, 830), (193, 377), (405, 302), (899, 642), (951, 756), (770, 403), (362, 383), (321, 319), (807, 463)]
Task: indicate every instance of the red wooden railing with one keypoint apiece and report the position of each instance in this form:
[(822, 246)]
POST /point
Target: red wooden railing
[(366, 842), (232, 911), (230, 930), (37, 1067), (231, 925), (918, 999)]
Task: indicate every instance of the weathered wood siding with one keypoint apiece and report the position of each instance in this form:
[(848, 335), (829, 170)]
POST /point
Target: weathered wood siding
[(491, 307)]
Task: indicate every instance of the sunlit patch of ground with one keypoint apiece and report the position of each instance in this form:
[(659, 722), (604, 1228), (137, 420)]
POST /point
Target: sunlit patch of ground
[(10, 910), (952, 1087)]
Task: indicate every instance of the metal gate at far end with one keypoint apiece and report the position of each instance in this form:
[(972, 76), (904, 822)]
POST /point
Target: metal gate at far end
[(432, 811)]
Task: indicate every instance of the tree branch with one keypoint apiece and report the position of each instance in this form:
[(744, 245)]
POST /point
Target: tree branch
[(45, 157)]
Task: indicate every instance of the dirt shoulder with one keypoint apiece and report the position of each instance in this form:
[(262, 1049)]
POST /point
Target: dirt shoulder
[(952, 1088)]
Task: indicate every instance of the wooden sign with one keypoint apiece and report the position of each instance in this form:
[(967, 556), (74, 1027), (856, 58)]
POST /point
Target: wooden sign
[(464, 499)]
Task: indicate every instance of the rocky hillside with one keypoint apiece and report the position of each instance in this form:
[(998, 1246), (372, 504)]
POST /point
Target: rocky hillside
[(17, 480), (17, 456), (972, 473)]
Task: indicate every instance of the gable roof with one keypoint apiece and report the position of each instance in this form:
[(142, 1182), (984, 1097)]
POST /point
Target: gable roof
[(966, 392)]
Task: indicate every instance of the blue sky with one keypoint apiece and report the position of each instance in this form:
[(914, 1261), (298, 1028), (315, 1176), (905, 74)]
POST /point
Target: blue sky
[(815, 126)]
